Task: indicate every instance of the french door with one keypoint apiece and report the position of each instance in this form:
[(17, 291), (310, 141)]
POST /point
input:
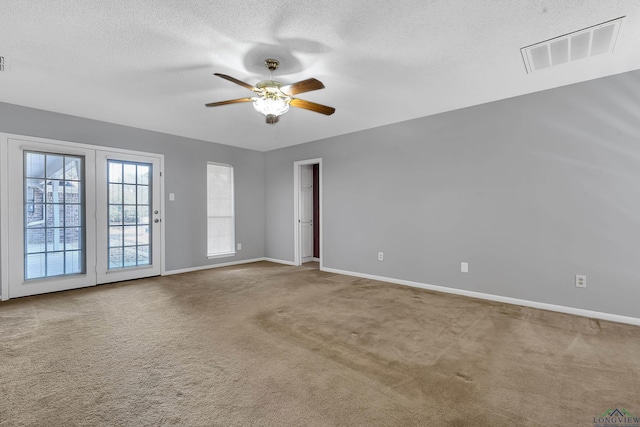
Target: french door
[(79, 216), (128, 217)]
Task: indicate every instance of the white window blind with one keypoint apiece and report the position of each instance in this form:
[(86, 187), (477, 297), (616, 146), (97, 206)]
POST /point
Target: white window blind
[(220, 213)]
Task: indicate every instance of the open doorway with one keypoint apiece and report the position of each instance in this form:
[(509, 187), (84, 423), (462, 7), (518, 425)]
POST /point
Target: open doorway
[(308, 211)]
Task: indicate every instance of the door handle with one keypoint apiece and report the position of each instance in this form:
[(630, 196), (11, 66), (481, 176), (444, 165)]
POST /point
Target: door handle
[(156, 220)]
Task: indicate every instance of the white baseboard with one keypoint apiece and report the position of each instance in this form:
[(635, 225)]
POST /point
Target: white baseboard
[(279, 261), (206, 267), (498, 298), (314, 259)]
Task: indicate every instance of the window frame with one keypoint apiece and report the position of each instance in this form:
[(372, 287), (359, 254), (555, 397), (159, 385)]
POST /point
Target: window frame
[(232, 243)]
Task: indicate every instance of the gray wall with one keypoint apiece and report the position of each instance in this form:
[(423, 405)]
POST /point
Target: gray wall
[(185, 175), (530, 191)]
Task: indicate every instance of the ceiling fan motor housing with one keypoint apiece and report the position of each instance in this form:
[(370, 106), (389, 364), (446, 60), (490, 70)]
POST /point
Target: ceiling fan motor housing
[(271, 64)]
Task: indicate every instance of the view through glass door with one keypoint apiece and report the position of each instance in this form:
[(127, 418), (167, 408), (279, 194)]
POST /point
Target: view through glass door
[(79, 216)]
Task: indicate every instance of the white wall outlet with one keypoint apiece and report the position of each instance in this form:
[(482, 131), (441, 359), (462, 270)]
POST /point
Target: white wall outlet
[(464, 267), (380, 256), (581, 281), (172, 197), (239, 245)]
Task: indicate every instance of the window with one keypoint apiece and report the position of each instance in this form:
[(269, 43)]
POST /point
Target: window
[(54, 215), (220, 213), (129, 206)]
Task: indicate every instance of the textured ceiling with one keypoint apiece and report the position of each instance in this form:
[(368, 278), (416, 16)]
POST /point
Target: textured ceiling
[(150, 63)]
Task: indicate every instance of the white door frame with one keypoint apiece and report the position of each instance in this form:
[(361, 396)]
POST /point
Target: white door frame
[(4, 194), (297, 257)]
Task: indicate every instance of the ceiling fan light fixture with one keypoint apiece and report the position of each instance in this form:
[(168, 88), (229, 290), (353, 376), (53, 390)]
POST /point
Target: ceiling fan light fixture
[(271, 106)]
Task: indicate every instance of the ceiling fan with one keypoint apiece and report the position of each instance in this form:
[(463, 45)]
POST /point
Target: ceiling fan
[(273, 98)]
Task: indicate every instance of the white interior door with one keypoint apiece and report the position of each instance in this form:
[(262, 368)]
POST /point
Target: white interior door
[(128, 216), (306, 212), (51, 207), (77, 216)]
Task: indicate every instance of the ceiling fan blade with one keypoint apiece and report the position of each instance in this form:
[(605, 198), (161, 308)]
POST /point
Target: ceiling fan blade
[(308, 105), (231, 101), (303, 86), (236, 81)]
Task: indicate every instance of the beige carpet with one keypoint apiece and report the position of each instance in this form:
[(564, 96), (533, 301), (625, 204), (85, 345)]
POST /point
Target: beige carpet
[(270, 345)]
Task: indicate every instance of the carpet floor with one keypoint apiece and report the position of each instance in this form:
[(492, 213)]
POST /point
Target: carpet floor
[(269, 345)]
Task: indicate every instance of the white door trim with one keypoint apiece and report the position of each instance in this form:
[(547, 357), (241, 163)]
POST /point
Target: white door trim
[(297, 258)]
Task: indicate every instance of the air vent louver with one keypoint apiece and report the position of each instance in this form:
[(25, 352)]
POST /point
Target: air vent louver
[(590, 41), (1, 63)]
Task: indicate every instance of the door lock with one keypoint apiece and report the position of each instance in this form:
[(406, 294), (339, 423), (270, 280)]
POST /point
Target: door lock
[(156, 220)]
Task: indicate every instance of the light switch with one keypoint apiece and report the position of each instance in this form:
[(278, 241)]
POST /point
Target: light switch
[(172, 197)]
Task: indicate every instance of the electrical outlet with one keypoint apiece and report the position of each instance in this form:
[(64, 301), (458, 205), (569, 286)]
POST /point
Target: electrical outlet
[(380, 256), (464, 267), (581, 281), (239, 246)]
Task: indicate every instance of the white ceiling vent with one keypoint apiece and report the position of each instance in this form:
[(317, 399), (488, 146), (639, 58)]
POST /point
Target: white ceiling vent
[(577, 45), (1, 63)]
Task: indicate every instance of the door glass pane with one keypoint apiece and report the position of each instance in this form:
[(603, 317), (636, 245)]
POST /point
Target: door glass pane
[(129, 204), (143, 174), (115, 215), (72, 238), (35, 266), (143, 254), (73, 261), (143, 215), (143, 235), (143, 194), (115, 172), (55, 263), (115, 258), (34, 165), (115, 237), (129, 235), (72, 168), (115, 193), (72, 215), (129, 194), (130, 258), (130, 175), (130, 214), (73, 192), (54, 215), (55, 166)]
